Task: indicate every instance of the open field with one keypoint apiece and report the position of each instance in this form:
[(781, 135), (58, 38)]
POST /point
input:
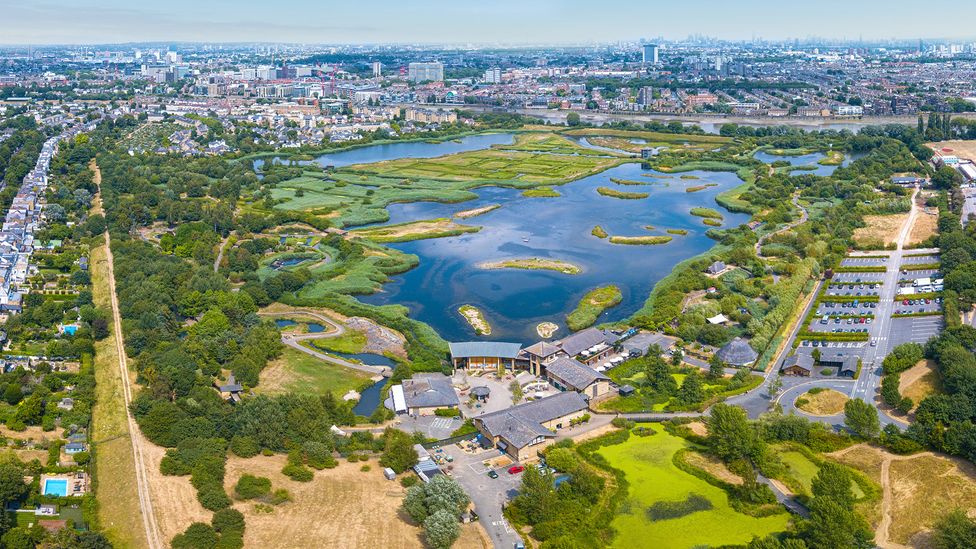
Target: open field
[(592, 306), (533, 263), (652, 138), (548, 143), (115, 483), (962, 149), (925, 226), (351, 341), (920, 381), (827, 402), (341, 507), (476, 319), (415, 230), (653, 478), (919, 490), (881, 229), (802, 470), (297, 372)]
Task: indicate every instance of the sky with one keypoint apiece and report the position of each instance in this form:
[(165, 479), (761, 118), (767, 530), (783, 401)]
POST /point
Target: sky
[(39, 22)]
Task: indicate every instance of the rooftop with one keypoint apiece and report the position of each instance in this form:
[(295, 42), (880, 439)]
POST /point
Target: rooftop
[(470, 349)]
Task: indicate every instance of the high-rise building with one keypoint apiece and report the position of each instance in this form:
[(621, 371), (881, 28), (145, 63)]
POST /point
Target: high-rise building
[(377, 69), (650, 54), (645, 96), (493, 76), (422, 72)]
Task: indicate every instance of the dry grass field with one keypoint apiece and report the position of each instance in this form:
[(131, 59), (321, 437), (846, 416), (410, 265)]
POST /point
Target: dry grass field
[(918, 490), (920, 381), (962, 149), (341, 507), (880, 228), (824, 403)]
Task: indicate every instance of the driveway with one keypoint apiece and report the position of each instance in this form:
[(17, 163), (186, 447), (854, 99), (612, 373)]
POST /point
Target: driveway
[(488, 495)]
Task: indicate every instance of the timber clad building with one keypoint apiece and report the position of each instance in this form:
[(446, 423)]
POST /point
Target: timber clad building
[(524, 430), (484, 355)]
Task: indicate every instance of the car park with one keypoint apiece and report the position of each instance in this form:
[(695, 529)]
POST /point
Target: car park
[(492, 474), (515, 469)]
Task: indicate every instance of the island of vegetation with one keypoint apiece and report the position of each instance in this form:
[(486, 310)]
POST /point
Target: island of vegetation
[(476, 319), (697, 188), (474, 212), (541, 192), (680, 232), (599, 232), (533, 263), (415, 230), (707, 213), (546, 329), (607, 191), (640, 240), (631, 182), (592, 305), (833, 158)]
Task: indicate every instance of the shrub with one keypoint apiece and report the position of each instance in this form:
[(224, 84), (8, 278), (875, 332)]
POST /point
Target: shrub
[(279, 496), (409, 481), (228, 521), (244, 446), (82, 458), (213, 498), (319, 455), (197, 536), (664, 510), (622, 423), (298, 473), (250, 486), (365, 468), (644, 431), (446, 412)]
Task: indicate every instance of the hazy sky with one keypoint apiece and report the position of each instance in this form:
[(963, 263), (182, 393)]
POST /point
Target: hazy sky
[(466, 21)]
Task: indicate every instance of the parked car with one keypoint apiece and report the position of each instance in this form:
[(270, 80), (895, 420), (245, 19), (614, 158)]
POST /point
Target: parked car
[(515, 469), (492, 474)]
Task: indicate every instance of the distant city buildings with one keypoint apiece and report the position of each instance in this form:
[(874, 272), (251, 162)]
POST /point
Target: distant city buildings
[(424, 72), (650, 54), (493, 76), (377, 69)]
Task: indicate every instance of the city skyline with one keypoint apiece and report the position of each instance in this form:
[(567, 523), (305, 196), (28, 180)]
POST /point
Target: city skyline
[(441, 22)]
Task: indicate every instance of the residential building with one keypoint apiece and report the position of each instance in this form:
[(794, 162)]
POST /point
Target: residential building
[(650, 54), (425, 393), (568, 374), (423, 72)]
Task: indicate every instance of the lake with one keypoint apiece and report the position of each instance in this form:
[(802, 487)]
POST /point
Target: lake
[(515, 301)]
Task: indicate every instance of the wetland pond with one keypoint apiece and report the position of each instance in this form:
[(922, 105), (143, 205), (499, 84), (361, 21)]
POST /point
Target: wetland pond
[(514, 301)]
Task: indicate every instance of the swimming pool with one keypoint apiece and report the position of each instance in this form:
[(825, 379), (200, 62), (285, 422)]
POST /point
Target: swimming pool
[(70, 329), (56, 487)]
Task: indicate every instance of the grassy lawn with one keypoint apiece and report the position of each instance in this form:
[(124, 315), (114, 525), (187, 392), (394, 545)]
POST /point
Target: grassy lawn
[(827, 402), (802, 469), (349, 342), (297, 372), (653, 478), (115, 480)]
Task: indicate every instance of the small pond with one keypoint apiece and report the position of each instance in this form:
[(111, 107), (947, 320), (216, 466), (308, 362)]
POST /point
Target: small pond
[(369, 399)]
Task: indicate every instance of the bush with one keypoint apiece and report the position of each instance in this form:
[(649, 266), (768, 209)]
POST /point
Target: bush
[(228, 521), (213, 497), (298, 473), (408, 481), (279, 496), (664, 510), (250, 486), (81, 458), (365, 468), (197, 536), (644, 431), (446, 412), (244, 446), (622, 423), (319, 455)]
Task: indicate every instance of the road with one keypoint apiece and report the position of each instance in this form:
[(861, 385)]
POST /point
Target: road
[(295, 342), (220, 253), (153, 535)]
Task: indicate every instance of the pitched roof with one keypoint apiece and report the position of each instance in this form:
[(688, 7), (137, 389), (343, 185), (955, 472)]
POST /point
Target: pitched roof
[(577, 375), (583, 340), (467, 349), (737, 352), (541, 349), (429, 390), (521, 424)]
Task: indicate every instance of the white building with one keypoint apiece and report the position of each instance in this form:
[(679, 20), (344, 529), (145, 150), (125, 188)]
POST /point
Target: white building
[(422, 72)]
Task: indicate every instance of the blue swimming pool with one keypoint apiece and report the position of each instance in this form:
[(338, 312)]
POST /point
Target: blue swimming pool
[(70, 329), (56, 487)]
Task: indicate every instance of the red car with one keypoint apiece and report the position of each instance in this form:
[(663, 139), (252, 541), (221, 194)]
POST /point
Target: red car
[(515, 469)]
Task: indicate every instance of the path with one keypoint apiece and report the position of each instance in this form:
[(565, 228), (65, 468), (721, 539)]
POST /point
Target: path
[(803, 219), (336, 330), (220, 253), (881, 534), (153, 536)]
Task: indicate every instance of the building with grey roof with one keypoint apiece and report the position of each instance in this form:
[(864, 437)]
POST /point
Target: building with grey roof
[(484, 355), (539, 355), (590, 345), (523, 430), (425, 393), (568, 374), (738, 353)]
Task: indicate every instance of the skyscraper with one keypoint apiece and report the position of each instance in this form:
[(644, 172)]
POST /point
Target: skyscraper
[(421, 72), (493, 75), (377, 69), (650, 54)]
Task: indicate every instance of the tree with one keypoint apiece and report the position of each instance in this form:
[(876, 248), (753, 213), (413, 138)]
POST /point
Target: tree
[(445, 493), (398, 453), (441, 530), (774, 387), (415, 503), (573, 119), (729, 433), (692, 389), (716, 368), (955, 531), (658, 374), (862, 418), (197, 536), (833, 481), (833, 525)]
